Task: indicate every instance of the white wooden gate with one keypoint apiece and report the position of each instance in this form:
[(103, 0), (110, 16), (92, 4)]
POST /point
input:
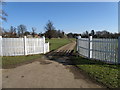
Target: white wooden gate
[(107, 50), (22, 46)]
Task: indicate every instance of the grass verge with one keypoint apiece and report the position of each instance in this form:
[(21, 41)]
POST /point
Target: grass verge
[(103, 73), (13, 61)]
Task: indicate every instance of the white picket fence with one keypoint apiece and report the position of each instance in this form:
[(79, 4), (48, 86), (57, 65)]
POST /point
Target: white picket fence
[(23, 46), (107, 50)]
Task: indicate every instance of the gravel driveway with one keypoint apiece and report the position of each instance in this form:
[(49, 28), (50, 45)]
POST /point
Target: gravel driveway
[(51, 71)]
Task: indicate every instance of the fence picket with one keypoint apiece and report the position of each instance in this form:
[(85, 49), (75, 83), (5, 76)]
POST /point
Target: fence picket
[(119, 50), (90, 50), (0, 45), (25, 46)]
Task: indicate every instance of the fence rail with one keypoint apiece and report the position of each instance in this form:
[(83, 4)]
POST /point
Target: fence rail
[(22, 46), (107, 50)]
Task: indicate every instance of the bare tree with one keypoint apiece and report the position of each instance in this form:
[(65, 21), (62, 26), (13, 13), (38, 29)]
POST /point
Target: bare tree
[(21, 30), (33, 31), (2, 16), (92, 32), (12, 31)]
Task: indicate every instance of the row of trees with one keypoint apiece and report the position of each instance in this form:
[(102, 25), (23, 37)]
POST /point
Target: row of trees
[(20, 31), (95, 34), (51, 32), (100, 34)]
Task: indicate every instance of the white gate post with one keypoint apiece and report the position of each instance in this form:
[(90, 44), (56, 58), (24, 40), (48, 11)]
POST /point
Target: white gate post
[(25, 46), (44, 50), (90, 47), (77, 41), (1, 54), (48, 47), (119, 50)]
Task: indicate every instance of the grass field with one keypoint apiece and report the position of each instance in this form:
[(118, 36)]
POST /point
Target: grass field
[(106, 74), (56, 43)]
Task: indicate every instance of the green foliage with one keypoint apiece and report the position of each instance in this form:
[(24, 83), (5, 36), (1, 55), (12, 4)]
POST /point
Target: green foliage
[(72, 35), (51, 32)]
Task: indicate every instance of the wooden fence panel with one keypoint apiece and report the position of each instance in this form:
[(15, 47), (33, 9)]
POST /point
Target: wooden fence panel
[(83, 46), (105, 50), (47, 47), (22, 46), (34, 45), (12, 46)]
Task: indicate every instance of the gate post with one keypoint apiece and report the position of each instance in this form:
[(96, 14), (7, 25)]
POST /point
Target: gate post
[(90, 47), (48, 47), (25, 46), (77, 42), (1, 54), (44, 50), (119, 50)]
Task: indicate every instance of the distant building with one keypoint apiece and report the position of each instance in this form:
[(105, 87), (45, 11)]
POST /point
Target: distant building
[(29, 36), (37, 36)]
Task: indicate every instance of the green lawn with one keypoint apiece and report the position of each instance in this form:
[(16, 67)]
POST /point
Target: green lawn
[(101, 72), (55, 43), (11, 61)]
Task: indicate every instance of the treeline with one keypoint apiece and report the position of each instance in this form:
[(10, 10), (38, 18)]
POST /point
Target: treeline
[(52, 32), (95, 34), (19, 31), (100, 34)]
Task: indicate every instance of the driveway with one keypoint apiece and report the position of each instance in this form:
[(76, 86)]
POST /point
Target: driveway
[(53, 70)]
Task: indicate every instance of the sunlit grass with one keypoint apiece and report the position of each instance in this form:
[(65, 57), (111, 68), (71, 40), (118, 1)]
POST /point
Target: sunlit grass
[(56, 43), (104, 73), (14, 60)]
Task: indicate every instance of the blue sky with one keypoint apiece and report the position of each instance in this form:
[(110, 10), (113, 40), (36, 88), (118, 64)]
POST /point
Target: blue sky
[(76, 17)]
